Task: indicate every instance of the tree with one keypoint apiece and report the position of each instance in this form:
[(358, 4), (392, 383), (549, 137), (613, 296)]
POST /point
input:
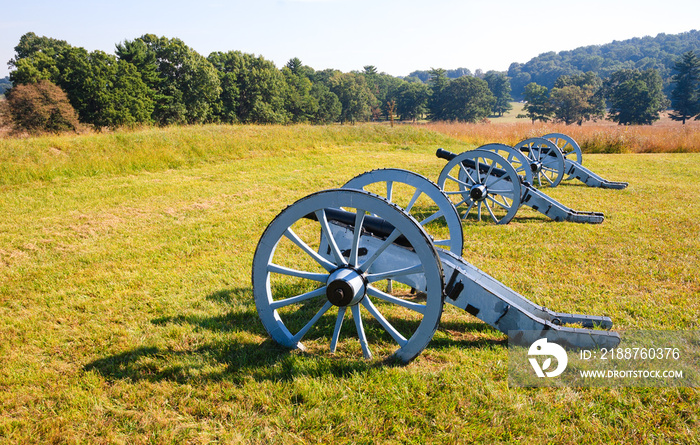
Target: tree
[(140, 54), (37, 58), (578, 98), (329, 106), (299, 102), (685, 97), (185, 86), (104, 91), (354, 95), (40, 107), (381, 85), (295, 66), (635, 97), (254, 89), (438, 82), (32, 69), (411, 100), (467, 99), (500, 88), (570, 104), (537, 106)]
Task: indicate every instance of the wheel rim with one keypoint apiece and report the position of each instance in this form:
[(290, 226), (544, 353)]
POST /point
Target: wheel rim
[(546, 160), (515, 157), (568, 146), (291, 280), (421, 198), (478, 192)]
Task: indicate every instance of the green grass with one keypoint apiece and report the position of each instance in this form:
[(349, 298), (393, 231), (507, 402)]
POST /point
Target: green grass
[(126, 313), (511, 116)]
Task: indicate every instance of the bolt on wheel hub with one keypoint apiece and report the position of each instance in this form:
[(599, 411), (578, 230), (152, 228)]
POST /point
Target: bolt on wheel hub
[(345, 287), (536, 166), (478, 192)]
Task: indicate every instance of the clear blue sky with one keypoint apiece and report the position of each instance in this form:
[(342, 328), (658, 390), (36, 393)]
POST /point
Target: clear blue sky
[(396, 36)]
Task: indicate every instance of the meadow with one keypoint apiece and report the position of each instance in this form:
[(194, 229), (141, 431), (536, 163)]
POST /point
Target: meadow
[(126, 310)]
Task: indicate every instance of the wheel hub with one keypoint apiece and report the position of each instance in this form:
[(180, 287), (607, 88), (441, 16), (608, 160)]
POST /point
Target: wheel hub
[(478, 192), (345, 287), (535, 166)]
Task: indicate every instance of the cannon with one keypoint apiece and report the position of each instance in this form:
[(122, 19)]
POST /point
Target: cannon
[(574, 168), (546, 161), (332, 253), (555, 157), (486, 184)]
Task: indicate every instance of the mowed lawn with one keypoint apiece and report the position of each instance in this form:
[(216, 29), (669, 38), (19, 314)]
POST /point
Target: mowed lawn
[(126, 310)]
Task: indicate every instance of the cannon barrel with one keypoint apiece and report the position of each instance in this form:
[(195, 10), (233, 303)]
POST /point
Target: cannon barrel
[(371, 224), (469, 163), (444, 154)]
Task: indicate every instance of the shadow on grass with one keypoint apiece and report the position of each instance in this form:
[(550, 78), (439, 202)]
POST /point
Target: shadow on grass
[(487, 221), (572, 183), (467, 334), (237, 354)]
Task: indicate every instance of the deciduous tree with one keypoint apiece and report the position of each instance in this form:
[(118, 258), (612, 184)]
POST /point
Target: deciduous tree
[(329, 106), (537, 106), (354, 95), (301, 105), (253, 88), (500, 88), (104, 91), (569, 103), (467, 99), (635, 97), (411, 100), (578, 98), (40, 107)]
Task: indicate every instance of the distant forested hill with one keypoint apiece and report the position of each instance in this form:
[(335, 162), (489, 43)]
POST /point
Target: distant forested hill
[(5, 84), (660, 52)]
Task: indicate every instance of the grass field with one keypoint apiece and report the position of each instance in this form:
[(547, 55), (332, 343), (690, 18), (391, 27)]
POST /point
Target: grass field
[(126, 311)]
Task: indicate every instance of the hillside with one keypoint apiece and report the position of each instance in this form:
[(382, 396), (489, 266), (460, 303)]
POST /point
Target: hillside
[(660, 52)]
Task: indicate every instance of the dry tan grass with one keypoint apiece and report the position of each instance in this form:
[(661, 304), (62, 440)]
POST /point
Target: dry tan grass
[(665, 136)]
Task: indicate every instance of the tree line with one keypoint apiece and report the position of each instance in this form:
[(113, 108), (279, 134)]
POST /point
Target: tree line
[(161, 81)]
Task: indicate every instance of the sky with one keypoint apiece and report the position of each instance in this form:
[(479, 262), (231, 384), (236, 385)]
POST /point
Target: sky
[(396, 36)]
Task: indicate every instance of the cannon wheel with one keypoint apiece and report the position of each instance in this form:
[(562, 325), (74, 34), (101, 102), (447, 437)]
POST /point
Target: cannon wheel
[(568, 146), (515, 157), (476, 191), (296, 288), (440, 210), (546, 160)]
